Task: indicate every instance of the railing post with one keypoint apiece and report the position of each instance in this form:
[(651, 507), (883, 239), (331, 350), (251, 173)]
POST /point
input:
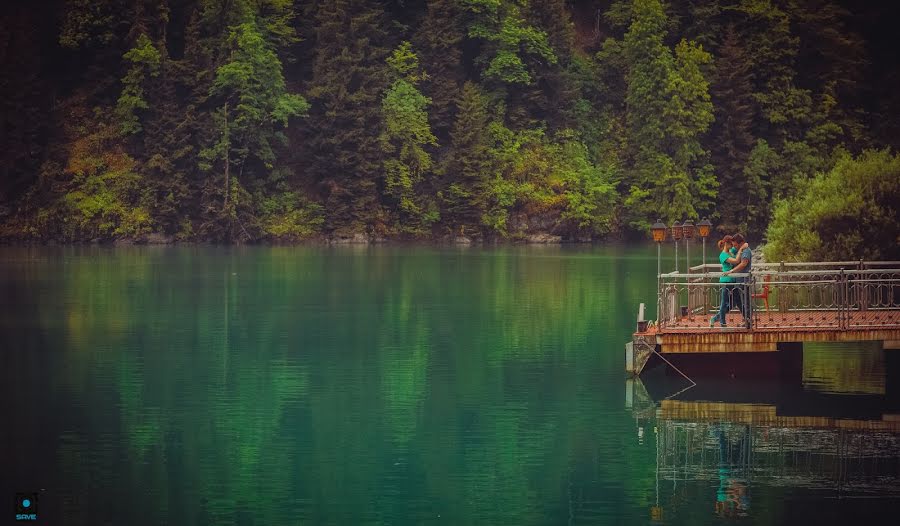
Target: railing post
[(782, 301), (844, 304), (751, 285), (862, 292), (705, 288)]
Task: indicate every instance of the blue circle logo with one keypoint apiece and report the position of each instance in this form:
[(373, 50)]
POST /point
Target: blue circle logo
[(26, 503)]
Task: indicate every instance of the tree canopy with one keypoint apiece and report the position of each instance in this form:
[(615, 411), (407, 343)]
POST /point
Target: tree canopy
[(272, 120)]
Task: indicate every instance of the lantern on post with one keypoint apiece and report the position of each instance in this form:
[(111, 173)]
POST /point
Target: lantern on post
[(704, 228), (688, 229), (659, 235), (676, 237)]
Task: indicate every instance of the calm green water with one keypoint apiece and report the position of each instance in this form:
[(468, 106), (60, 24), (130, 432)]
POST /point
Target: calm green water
[(392, 385)]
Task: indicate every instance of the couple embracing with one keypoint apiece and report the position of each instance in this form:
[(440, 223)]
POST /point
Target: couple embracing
[(735, 258)]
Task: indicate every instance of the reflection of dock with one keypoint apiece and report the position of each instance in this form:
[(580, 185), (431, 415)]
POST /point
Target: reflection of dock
[(838, 445), (838, 459), (766, 415)]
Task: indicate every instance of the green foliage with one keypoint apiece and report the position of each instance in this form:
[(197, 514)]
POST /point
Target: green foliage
[(513, 42), (669, 109), (438, 41), (342, 145), (847, 213), (145, 62), (731, 152), (590, 190), (404, 139), (465, 176), (252, 84), (527, 121), (88, 22), (101, 196), (252, 81), (288, 216)]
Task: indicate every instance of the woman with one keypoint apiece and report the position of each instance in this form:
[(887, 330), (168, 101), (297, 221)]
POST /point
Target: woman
[(728, 260)]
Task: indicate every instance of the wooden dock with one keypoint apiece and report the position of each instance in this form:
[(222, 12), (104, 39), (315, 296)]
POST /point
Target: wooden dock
[(789, 307)]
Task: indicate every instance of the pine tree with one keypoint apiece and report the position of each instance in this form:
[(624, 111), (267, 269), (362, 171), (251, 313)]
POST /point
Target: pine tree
[(783, 107), (730, 138), (251, 85), (668, 109), (439, 40), (833, 58), (511, 45), (552, 97), (405, 138), (145, 62), (342, 141), (470, 163)]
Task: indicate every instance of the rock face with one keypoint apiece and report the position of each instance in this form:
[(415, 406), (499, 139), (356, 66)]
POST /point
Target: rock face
[(543, 239), (533, 224), (758, 255), (158, 239), (462, 240), (355, 239)]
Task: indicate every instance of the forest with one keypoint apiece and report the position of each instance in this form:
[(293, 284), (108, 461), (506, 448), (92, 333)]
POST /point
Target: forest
[(242, 121)]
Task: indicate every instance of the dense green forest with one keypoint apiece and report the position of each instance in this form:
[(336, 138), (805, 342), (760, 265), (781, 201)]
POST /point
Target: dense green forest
[(278, 120)]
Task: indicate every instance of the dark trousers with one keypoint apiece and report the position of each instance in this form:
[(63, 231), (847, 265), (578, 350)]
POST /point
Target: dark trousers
[(727, 300), (744, 301)]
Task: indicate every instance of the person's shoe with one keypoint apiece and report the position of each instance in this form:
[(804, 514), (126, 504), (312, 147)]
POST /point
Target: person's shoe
[(712, 321)]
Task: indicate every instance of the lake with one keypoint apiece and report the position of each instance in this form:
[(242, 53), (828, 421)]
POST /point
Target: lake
[(405, 385)]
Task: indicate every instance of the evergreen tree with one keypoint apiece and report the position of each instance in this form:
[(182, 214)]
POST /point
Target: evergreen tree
[(439, 40), (551, 99), (668, 109), (833, 59), (731, 138), (470, 165), (404, 139), (252, 85), (342, 141), (145, 62), (26, 98), (760, 176), (783, 107), (510, 42), (125, 118)]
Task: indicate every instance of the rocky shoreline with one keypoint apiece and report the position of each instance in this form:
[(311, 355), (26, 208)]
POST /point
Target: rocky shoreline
[(354, 239)]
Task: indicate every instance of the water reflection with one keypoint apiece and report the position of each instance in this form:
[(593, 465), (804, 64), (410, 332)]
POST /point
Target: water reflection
[(832, 432), (206, 385)]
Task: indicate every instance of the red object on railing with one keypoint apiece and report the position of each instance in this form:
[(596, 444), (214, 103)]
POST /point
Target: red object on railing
[(764, 295)]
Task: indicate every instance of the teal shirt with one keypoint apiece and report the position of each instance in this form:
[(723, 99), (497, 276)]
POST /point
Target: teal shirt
[(723, 256)]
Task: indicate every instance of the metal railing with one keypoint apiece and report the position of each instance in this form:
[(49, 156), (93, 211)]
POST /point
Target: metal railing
[(784, 296)]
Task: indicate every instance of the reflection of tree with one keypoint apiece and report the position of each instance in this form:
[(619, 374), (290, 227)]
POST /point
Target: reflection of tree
[(351, 386), (856, 367)]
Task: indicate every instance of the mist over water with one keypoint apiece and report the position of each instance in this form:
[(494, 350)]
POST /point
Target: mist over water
[(405, 385)]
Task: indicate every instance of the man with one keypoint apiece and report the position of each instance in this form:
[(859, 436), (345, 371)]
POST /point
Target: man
[(744, 267)]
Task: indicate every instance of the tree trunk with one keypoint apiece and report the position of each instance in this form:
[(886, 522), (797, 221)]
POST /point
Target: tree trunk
[(227, 175)]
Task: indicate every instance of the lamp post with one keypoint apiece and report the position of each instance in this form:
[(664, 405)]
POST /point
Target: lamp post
[(704, 228), (659, 235), (688, 229), (676, 236)]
